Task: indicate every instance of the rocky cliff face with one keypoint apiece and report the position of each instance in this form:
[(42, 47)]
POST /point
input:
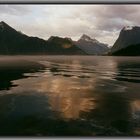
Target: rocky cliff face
[(129, 37), (91, 46)]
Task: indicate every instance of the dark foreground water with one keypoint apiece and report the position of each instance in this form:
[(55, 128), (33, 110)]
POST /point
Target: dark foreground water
[(69, 96)]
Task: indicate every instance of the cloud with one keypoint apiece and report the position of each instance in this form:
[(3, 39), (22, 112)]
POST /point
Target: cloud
[(14, 10), (114, 17), (102, 22)]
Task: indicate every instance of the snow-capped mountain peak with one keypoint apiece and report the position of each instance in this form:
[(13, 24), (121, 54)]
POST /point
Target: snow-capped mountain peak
[(87, 38), (91, 46), (128, 28), (128, 36)]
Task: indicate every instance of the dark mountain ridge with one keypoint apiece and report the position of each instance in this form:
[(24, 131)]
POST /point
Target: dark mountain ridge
[(58, 45), (14, 42), (128, 42)]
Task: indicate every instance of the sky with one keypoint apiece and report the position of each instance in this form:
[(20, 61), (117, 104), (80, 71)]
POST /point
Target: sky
[(102, 22)]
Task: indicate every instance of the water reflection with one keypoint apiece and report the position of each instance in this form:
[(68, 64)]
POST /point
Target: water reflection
[(94, 93), (107, 105), (13, 69), (128, 71), (135, 105), (112, 110), (68, 95)]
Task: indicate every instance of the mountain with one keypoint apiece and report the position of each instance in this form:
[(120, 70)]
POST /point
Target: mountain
[(91, 46), (58, 45), (132, 50), (128, 42), (14, 42)]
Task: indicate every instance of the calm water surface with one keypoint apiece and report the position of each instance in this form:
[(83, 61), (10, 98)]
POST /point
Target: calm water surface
[(69, 96)]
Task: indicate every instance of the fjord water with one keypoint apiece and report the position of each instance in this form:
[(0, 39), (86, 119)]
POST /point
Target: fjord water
[(69, 96)]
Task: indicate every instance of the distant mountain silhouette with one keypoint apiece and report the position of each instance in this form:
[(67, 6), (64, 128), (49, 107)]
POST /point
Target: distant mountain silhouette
[(14, 42), (91, 46), (58, 45), (128, 42)]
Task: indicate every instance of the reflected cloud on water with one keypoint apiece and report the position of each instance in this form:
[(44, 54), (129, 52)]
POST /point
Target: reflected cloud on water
[(90, 89)]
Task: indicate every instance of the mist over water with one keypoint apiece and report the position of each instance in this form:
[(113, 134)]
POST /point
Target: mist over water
[(69, 96)]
